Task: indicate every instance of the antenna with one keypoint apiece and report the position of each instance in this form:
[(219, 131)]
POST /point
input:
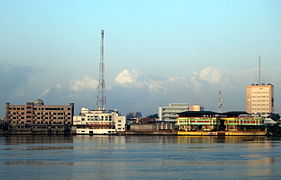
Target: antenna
[(259, 71), (220, 102), (101, 100)]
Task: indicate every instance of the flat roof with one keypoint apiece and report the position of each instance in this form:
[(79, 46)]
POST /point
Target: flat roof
[(210, 113)]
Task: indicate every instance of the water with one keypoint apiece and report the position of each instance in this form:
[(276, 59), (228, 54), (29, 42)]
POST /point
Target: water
[(139, 157)]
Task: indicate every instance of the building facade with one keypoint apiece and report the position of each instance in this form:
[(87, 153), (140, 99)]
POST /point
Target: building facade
[(35, 117), (260, 99), (170, 113), (98, 122), (227, 122)]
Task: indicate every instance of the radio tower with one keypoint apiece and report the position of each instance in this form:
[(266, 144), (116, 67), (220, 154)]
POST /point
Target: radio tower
[(259, 81), (220, 102), (101, 100)]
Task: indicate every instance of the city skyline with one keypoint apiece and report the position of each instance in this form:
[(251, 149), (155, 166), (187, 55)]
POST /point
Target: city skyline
[(156, 53)]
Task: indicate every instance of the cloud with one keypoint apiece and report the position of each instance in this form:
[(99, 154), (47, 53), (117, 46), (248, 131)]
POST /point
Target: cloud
[(129, 78), (135, 79), (46, 91), (155, 86), (13, 76), (206, 77), (210, 75), (86, 83), (195, 83), (13, 80)]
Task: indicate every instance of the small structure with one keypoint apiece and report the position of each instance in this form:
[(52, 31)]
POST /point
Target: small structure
[(98, 122)]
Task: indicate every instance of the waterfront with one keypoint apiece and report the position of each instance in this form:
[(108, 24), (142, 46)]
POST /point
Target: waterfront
[(140, 157)]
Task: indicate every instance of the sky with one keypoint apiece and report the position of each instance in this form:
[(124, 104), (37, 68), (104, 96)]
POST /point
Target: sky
[(157, 52)]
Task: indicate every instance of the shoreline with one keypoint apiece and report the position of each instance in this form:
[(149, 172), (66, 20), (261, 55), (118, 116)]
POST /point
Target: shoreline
[(148, 133)]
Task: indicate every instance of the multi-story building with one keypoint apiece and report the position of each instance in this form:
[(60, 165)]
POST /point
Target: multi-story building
[(260, 99), (35, 117), (208, 121), (170, 113), (99, 122)]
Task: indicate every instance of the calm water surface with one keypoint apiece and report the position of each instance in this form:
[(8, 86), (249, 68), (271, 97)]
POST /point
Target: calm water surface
[(139, 157)]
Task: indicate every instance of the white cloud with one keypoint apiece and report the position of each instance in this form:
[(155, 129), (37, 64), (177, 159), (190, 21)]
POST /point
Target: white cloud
[(46, 91), (86, 83), (135, 79), (129, 78), (154, 86), (211, 75), (196, 85)]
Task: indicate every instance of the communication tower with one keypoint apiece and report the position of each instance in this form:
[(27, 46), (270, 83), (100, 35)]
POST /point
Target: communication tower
[(259, 82), (101, 99), (220, 102)]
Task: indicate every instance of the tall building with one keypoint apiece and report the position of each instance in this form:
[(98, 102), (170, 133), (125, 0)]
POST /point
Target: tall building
[(99, 122), (260, 98), (170, 113), (35, 117)]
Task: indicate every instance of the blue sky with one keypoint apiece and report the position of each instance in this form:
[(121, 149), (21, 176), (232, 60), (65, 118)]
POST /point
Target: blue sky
[(156, 52)]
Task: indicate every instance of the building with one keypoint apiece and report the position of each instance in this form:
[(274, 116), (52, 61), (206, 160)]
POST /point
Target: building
[(208, 121), (260, 99), (170, 113), (133, 117), (195, 108), (37, 118), (99, 122)]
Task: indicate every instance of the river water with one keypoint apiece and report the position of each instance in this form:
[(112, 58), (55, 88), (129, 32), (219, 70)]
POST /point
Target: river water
[(139, 157)]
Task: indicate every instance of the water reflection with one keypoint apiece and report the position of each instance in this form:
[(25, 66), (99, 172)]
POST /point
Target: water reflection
[(22, 139), (140, 157), (37, 163)]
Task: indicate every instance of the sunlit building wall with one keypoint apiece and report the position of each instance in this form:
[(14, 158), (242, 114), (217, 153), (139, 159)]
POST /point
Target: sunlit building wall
[(260, 99)]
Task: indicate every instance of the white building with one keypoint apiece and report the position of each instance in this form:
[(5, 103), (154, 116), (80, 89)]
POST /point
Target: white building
[(169, 113), (98, 122)]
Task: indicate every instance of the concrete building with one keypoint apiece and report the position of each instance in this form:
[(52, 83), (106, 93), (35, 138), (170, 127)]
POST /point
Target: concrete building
[(156, 126), (170, 113), (260, 99), (37, 118), (133, 117), (98, 122)]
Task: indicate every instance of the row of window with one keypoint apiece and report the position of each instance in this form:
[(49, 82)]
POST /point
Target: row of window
[(46, 122), (41, 113), (260, 100), (260, 104), (259, 92), (28, 117), (50, 109), (97, 120), (16, 108), (260, 109)]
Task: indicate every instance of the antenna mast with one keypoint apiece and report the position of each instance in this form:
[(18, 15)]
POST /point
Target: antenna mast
[(220, 102), (101, 100), (259, 70)]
